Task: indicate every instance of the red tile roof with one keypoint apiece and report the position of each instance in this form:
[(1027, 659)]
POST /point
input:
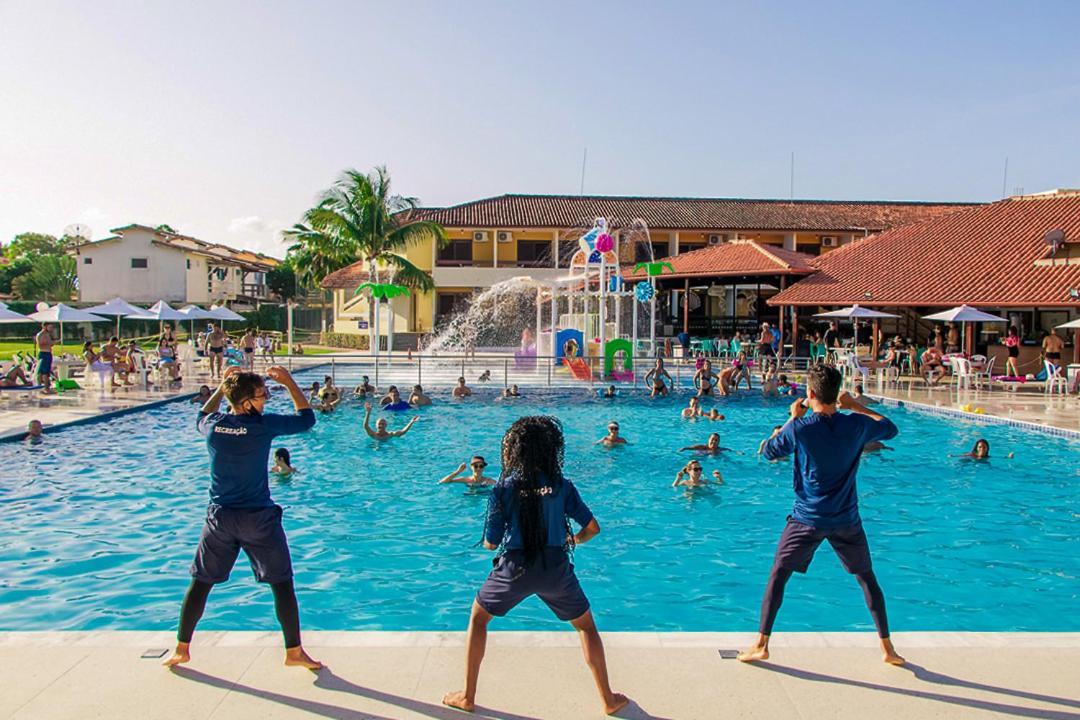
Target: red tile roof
[(738, 257), (347, 278), (989, 256), (703, 214)]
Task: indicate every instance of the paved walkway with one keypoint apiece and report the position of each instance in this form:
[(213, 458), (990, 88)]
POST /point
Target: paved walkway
[(532, 676)]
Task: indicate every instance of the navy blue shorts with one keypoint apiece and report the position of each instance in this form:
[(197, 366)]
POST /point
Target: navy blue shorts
[(799, 542), (256, 531), (551, 579), (44, 365)]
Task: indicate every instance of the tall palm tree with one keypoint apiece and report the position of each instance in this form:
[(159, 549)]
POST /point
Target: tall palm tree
[(359, 218)]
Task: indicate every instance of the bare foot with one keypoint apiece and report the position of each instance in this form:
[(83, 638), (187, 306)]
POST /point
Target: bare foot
[(180, 655), (889, 653), (617, 703), (753, 654), (459, 701), (297, 657)]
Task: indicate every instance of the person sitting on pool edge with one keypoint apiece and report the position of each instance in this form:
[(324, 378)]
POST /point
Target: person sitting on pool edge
[(527, 523), (282, 463), (242, 514), (461, 390), (827, 446), (656, 376), (711, 446), (612, 439), (418, 398), (477, 464), (691, 476), (380, 432), (981, 451)]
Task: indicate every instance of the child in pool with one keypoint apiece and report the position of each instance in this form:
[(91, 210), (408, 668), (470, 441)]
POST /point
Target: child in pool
[(282, 463)]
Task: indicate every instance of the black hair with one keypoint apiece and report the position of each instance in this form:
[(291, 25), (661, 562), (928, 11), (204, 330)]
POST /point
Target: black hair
[(114, 339), (825, 382), (480, 458), (976, 446), (532, 458), (283, 454), (87, 345)]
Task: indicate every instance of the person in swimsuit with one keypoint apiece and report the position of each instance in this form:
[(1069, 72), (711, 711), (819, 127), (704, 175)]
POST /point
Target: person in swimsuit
[(477, 479), (94, 363), (215, 348), (44, 342), (247, 344), (826, 446), (242, 515), (1052, 346), (612, 439), (418, 398), (704, 379), (282, 463), (528, 524), (775, 431), (980, 452), (711, 446), (112, 354), (34, 432), (380, 432), (511, 392), (461, 390), (203, 397), (691, 476), (765, 341), (692, 410), (392, 396), (656, 376), (742, 370), (769, 386), (14, 376), (167, 358), (953, 339), (932, 368), (1012, 346)]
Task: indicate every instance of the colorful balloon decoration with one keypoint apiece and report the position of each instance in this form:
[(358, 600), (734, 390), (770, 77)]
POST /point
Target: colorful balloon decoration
[(588, 241), (605, 243), (644, 292)]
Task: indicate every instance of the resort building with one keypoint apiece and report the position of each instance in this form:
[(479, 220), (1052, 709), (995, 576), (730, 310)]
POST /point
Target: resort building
[(1018, 258), (142, 265), (499, 238)]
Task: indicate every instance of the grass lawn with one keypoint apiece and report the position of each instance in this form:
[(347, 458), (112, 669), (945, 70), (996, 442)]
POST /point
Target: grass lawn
[(10, 347)]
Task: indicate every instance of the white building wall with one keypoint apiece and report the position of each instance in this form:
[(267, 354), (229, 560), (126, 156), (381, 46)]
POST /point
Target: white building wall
[(198, 291), (109, 274)]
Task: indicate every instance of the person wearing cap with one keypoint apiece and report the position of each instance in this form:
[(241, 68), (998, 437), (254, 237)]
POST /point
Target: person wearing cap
[(477, 478), (612, 439)]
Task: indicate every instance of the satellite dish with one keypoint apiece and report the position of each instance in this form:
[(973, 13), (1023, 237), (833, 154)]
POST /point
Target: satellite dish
[(78, 230), (42, 306), (1055, 238)]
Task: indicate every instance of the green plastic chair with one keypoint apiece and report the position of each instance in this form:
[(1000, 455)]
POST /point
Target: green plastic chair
[(707, 346)]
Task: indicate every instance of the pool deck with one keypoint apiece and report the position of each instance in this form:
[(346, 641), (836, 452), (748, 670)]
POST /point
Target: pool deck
[(531, 676)]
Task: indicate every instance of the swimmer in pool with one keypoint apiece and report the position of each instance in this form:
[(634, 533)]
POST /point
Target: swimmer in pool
[(477, 478), (742, 370), (656, 376), (611, 392), (705, 379), (691, 476), (484, 376), (980, 452), (725, 381), (769, 386), (202, 397), (392, 396), (612, 439), (861, 397), (711, 446), (511, 392), (775, 431), (462, 390), (713, 414), (364, 389), (418, 398), (313, 392), (380, 432), (282, 463), (693, 410)]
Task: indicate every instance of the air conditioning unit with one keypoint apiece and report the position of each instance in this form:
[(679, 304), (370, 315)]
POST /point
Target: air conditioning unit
[(716, 239), (480, 236), (504, 236), (829, 241)]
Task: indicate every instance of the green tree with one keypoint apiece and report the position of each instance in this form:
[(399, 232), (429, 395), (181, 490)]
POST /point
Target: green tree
[(359, 218), (165, 228), (12, 270), (52, 278), (282, 281), (32, 244)]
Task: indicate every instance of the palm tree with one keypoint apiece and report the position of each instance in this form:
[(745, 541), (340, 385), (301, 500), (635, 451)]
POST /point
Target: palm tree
[(359, 218), (51, 278)]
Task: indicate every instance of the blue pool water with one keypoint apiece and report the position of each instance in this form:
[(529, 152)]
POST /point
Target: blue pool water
[(100, 522)]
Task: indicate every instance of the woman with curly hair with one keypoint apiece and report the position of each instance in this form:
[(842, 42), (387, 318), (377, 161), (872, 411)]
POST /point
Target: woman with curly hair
[(527, 523)]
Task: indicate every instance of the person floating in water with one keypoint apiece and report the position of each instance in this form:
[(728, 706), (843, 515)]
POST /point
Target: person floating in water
[(656, 376), (981, 451), (242, 516), (527, 523), (711, 446), (612, 439), (691, 476), (282, 463), (380, 432), (477, 464), (827, 446)]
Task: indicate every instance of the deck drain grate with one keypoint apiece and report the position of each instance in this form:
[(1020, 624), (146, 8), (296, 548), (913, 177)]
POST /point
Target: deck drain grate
[(154, 653)]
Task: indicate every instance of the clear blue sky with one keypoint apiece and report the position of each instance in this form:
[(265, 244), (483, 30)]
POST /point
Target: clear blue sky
[(226, 119)]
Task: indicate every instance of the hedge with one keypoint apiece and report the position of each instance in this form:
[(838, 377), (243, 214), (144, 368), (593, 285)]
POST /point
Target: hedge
[(344, 340)]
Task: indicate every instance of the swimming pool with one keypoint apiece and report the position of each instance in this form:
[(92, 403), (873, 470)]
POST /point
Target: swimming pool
[(100, 522)]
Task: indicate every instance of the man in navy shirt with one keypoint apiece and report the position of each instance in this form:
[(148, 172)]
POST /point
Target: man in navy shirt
[(241, 514), (827, 446)]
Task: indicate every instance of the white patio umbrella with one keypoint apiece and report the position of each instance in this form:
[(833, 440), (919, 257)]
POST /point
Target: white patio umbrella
[(61, 313), (160, 311), (193, 313), (223, 313), (10, 316), (118, 307), (964, 314), (855, 313), (1072, 324)]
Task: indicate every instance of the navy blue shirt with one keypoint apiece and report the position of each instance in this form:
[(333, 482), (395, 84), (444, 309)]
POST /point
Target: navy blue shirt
[(827, 449), (239, 447), (559, 503)]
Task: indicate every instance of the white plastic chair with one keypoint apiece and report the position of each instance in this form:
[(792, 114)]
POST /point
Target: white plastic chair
[(962, 371), (138, 361), (857, 368), (986, 374), (1055, 382)]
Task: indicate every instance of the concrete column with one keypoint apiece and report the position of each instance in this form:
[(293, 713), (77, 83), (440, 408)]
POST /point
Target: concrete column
[(789, 241), (673, 244), (686, 306), (555, 249), (495, 248)]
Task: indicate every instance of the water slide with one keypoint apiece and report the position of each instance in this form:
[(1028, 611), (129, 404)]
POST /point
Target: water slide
[(579, 368)]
